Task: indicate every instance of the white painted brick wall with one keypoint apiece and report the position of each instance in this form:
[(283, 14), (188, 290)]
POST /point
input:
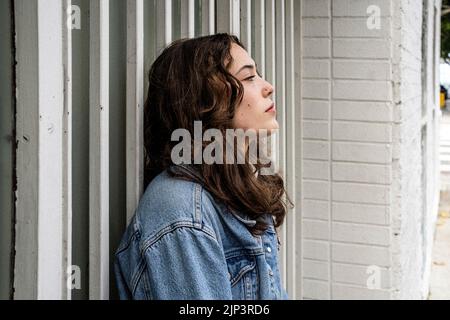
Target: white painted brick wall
[(362, 90), (316, 129), (351, 27), (361, 157), (360, 233), (316, 68), (315, 8), (361, 48), (316, 150), (316, 27), (318, 190), (316, 230), (362, 132), (316, 48), (362, 172), (315, 89), (315, 209), (315, 289), (346, 292), (362, 69), (315, 169), (317, 270), (357, 275), (362, 152), (358, 254), (409, 219), (316, 250), (315, 109), (361, 213), (360, 193), (362, 111), (358, 8)]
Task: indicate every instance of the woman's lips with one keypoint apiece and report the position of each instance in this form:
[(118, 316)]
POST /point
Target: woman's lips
[(271, 108)]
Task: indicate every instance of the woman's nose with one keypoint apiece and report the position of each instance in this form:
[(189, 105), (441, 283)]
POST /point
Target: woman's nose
[(268, 89)]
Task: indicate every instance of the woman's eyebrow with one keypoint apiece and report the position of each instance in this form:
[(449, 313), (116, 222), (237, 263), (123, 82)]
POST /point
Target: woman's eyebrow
[(247, 66)]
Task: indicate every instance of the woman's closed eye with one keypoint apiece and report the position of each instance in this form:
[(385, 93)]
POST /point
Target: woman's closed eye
[(252, 78)]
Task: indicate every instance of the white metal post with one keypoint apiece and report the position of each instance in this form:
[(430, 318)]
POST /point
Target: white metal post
[(228, 16), (280, 90), (99, 151), (212, 16), (259, 36), (43, 155), (208, 17), (270, 64), (135, 104), (163, 24), (290, 151), (67, 146), (235, 17), (246, 25), (187, 19)]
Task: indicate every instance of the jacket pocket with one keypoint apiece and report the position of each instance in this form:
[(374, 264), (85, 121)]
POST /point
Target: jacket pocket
[(243, 277)]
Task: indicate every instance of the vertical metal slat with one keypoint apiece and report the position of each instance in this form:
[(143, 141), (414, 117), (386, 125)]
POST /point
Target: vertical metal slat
[(259, 36), (246, 25), (163, 24), (223, 16), (235, 18), (27, 194), (7, 146), (187, 18), (135, 104), (228, 16), (212, 16), (291, 244), (99, 151), (208, 17), (67, 145), (298, 155), (51, 271), (270, 65), (42, 206), (280, 90)]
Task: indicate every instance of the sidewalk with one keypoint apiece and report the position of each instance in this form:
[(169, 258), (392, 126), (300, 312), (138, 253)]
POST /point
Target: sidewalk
[(440, 269)]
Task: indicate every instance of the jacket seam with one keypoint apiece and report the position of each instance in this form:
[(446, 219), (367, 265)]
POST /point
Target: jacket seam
[(137, 276), (127, 244), (241, 252), (198, 205), (241, 273), (142, 262), (172, 227), (144, 279)]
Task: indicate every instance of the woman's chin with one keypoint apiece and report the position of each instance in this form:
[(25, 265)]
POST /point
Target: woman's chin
[(273, 128)]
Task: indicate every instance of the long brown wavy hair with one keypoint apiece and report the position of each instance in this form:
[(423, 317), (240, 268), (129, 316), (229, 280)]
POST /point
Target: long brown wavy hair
[(189, 81)]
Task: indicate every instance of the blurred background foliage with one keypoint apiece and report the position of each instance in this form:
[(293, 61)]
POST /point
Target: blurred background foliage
[(445, 31)]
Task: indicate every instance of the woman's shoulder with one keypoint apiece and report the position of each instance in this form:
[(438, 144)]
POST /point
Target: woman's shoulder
[(170, 202)]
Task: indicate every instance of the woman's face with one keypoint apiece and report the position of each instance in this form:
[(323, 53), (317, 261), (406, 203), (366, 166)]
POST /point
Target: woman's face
[(256, 110)]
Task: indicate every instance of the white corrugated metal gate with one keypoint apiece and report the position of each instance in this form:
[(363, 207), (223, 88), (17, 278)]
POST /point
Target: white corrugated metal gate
[(101, 49)]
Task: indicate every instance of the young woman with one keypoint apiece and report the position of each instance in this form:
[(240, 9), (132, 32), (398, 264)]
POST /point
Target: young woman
[(204, 230)]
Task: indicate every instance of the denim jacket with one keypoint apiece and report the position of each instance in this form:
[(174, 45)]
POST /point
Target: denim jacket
[(181, 244)]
